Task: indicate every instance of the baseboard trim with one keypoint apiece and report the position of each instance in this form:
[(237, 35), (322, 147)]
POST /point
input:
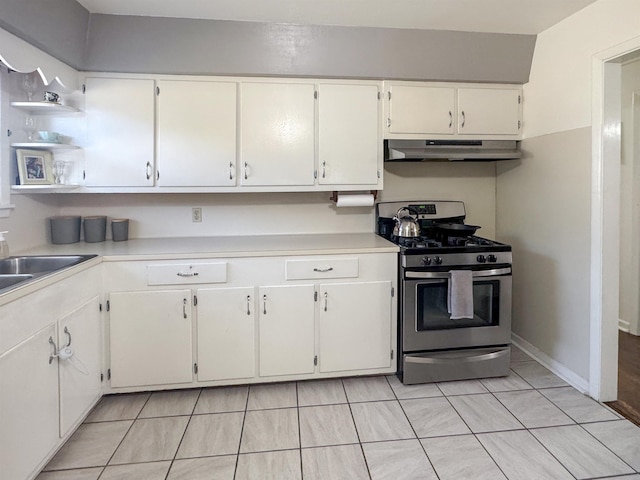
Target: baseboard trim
[(556, 367), (623, 326)]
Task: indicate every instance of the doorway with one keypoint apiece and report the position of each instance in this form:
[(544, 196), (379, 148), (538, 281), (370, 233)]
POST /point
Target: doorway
[(628, 399), (615, 202)]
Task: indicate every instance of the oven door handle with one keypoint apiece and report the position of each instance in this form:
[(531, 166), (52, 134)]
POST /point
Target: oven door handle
[(444, 275), (462, 358)]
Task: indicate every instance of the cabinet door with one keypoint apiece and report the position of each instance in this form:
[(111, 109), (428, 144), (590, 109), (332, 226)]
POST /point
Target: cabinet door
[(28, 405), (277, 134), (80, 384), (226, 333), (417, 109), (196, 134), (488, 111), (286, 329), (120, 138), (348, 139), (355, 326), (150, 338)]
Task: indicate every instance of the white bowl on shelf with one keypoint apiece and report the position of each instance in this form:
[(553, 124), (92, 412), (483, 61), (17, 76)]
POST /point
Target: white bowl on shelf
[(49, 137)]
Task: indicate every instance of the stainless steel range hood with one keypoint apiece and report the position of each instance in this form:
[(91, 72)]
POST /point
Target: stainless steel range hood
[(450, 150)]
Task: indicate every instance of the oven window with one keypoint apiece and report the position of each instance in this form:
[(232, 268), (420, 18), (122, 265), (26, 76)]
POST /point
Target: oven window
[(432, 311)]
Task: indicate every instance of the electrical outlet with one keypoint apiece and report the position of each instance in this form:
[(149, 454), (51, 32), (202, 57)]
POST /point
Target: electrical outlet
[(196, 214)]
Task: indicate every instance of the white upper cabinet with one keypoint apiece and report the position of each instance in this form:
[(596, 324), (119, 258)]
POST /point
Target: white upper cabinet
[(416, 110), (487, 111), (120, 132), (196, 133), (419, 109), (277, 134), (349, 146)]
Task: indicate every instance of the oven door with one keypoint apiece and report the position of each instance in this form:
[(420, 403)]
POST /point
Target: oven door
[(426, 323)]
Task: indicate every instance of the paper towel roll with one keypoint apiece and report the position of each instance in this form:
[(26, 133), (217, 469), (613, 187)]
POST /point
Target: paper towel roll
[(354, 200)]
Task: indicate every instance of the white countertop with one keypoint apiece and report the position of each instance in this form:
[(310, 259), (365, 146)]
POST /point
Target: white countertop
[(232, 246), (201, 247)]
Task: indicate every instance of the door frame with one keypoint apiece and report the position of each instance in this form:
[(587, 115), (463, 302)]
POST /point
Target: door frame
[(605, 218)]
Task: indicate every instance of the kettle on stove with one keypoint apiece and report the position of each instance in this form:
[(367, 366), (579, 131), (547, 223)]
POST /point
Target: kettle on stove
[(406, 225)]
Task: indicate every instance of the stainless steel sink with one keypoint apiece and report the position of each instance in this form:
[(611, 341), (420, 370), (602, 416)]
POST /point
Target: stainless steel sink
[(7, 281), (39, 263), (16, 271)]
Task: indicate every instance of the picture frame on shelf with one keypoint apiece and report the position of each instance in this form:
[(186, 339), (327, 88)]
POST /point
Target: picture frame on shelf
[(35, 167)]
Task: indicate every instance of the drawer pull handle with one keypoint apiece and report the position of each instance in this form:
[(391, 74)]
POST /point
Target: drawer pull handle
[(264, 304), (322, 270), (184, 308), (325, 301), (248, 304), (190, 274)]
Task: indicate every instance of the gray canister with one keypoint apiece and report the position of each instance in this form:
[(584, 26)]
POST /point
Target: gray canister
[(65, 229), (120, 229), (95, 229)]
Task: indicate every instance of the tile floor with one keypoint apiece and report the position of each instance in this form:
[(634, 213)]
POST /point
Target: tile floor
[(530, 425)]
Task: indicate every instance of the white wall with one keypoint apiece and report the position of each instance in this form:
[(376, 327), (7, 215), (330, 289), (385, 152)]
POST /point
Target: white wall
[(157, 215), (630, 200), (27, 223), (543, 206)]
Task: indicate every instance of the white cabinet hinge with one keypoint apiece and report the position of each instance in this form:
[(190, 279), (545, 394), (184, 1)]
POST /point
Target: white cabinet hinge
[(519, 124), (388, 122), (378, 173), (195, 368), (519, 99), (315, 360)]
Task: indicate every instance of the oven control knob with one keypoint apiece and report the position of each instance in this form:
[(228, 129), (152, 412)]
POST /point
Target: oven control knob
[(426, 260), (492, 258), (438, 260), (481, 259)]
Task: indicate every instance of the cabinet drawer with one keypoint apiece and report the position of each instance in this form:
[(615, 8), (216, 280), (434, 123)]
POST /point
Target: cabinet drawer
[(187, 273), (321, 268)]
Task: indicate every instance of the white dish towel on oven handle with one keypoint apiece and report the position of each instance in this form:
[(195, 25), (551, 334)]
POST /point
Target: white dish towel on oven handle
[(460, 294)]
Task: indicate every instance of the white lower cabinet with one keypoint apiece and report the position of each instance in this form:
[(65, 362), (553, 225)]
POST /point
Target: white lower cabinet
[(151, 338), (80, 385), (266, 319), (226, 333), (45, 394), (286, 335), (28, 405), (354, 327)]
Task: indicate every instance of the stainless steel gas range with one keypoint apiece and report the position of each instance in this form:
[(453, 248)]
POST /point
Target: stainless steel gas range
[(455, 294)]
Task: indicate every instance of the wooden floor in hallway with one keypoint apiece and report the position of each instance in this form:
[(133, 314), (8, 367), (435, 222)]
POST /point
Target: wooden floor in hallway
[(628, 403)]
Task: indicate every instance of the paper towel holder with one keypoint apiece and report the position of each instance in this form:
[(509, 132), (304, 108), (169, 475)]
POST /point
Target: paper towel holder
[(334, 195)]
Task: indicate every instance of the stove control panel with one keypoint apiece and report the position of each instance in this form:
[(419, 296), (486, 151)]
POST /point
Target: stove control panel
[(431, 261)]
